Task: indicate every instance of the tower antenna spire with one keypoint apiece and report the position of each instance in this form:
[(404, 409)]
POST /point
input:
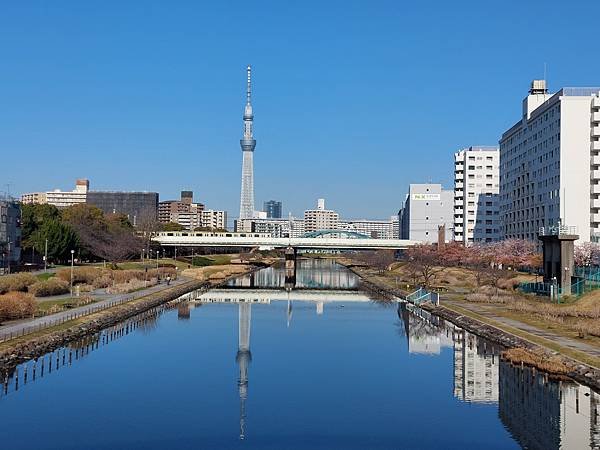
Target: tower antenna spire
[(249, 86)]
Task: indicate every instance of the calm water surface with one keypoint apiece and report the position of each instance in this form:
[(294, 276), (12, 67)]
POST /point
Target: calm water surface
[(322, 366)]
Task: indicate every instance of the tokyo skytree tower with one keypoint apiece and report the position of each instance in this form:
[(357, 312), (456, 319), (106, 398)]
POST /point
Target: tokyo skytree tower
[(248, 143)]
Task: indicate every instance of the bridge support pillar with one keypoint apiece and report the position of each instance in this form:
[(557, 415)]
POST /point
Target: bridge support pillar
[(290, 268)]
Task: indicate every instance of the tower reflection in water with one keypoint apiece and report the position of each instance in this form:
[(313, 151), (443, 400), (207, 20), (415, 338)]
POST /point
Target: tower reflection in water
[(541, 413), (243, 359)]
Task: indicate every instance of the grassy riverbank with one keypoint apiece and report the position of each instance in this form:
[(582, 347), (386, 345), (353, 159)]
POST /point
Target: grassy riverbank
[(20, 348)]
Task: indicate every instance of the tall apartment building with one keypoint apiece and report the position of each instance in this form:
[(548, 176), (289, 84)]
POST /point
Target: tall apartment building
[(476, 192), (10, 234), (273, 209), (320, 218), (427, 207), (58, 198), (550, 164)]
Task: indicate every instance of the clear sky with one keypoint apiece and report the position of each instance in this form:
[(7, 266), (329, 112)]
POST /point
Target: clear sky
[(353, 100)]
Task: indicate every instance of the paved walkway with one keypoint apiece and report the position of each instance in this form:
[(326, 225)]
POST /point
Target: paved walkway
[(489, 313), (16, 327)]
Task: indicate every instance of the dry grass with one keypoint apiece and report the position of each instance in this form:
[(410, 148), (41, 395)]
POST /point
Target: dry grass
[(18, 282), (542, 361), (215, 272), (105, 278), (132, 285), (52, 286), (16, 305)]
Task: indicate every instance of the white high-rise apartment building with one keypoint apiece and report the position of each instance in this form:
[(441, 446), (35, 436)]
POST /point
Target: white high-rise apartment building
[(476, 189), (321, 218), (550, 164)]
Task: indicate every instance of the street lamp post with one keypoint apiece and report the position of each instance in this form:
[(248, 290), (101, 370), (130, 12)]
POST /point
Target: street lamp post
[(46, 257), (72, 261)]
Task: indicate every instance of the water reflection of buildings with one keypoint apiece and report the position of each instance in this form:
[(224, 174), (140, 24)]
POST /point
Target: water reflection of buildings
[(548, 414), (475, 360), (310, 274), (476, 368)]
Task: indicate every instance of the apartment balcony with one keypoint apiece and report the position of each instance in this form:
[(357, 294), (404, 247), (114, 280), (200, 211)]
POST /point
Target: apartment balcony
[(596, 116), (595, 204), (596, 131), (458, 221), (595, 188), (459, 185), (595, 217), (595, 174), (458, 229), (459, 177), (596, 159), (595, 145), (458, 203), (596, 102)]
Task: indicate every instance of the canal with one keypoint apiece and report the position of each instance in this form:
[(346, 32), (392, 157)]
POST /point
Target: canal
[(324, 366)]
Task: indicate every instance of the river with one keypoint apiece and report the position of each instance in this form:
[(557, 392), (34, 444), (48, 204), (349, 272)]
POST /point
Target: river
[(323, 365)]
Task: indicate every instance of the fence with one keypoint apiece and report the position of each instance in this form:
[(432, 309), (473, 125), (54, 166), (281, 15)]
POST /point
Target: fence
[(422, 295), (60, 318)]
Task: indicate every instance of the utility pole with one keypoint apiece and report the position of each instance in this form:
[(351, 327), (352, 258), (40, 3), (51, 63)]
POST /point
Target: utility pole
[(46, 257)]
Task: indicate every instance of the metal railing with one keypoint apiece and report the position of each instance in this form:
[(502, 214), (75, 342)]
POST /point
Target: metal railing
[(557, 230), (422, 295), (53, 321)]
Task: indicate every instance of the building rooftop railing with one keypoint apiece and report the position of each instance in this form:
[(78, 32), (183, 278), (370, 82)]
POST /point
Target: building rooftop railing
[(557, 230), (580, 91)]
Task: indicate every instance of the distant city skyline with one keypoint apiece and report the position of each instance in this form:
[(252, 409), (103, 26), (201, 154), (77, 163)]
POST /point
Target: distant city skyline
[(352, 114)]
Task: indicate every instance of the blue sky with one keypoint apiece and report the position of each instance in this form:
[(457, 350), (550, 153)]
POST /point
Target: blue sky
[(353, 100)]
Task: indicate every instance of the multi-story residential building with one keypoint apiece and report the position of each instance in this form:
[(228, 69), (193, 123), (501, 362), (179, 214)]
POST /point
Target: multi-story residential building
[(10, 234), (290, 227), (426, 208), (378, 229), (273, 209), (184, 212), (476, 203), (135, 205), (550, 164), (191, 215), (58, 198), (320, 218), (210, 218)]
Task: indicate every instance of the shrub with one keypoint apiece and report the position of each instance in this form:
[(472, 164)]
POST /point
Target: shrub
[(16, 282), (16, 305), (49, 287), (85, 275)]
